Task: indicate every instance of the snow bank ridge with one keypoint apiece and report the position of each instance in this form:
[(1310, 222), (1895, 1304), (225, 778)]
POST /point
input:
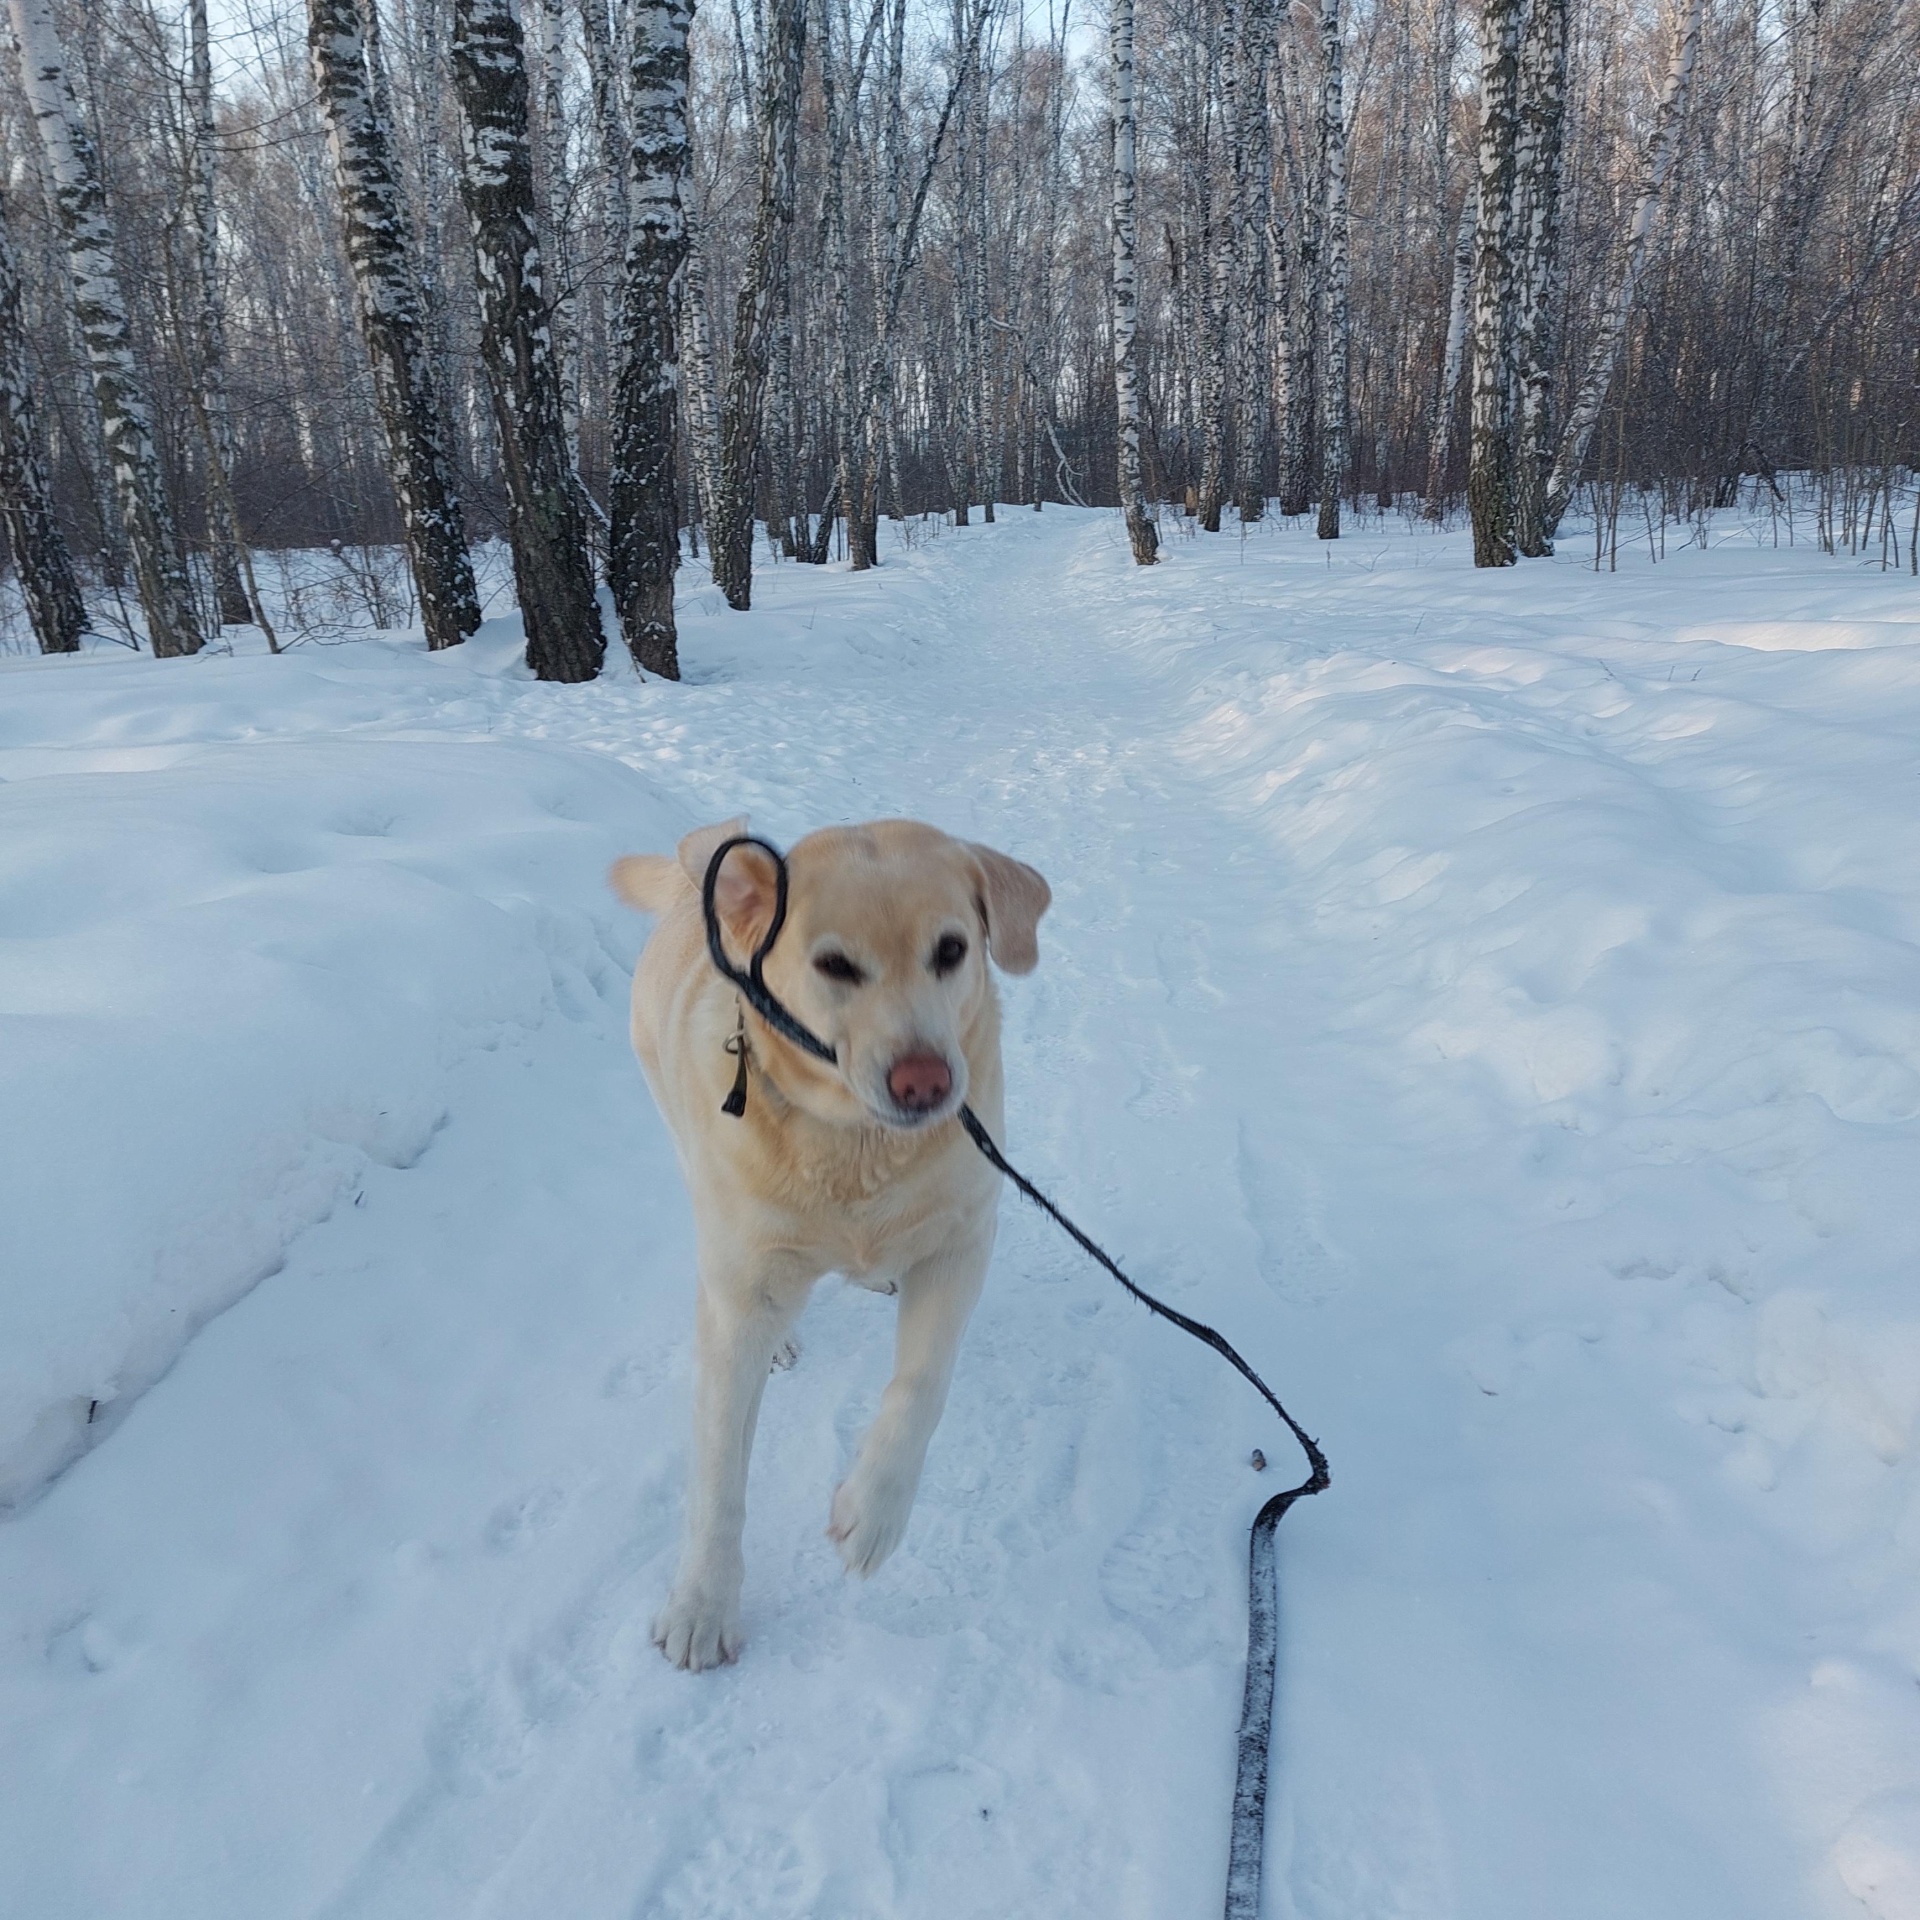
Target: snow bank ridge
[(240, 979)]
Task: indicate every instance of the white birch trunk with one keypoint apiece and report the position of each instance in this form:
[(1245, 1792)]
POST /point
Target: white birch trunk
[(1543, 96), (552, 567), (387, 295), (701, 388), (1126, 289), (1446, 405), (646, 506), (561, 300), (126, 413), (1046, 378), (55, 606), (1254, 428), (1223, 258), (881, 375), (1333, 199), (1299, 311), (609, 120), (985, 456), (1490, 455)]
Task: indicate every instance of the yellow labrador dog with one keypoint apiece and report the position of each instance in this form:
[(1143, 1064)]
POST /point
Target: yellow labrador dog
[(858, 1167)]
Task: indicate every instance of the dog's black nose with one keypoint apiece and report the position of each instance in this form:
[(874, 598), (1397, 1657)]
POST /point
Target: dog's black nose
[(919, 1082)]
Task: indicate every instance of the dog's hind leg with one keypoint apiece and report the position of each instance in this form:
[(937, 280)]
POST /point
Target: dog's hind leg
[(871, 1505), (738, 1329)]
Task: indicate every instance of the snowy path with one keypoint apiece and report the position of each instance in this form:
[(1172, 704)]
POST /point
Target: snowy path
[(1491, 1001)]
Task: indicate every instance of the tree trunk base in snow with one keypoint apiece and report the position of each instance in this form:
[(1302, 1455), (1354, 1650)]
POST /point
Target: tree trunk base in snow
[(1142, 535), (651, 637), (1490, 502)]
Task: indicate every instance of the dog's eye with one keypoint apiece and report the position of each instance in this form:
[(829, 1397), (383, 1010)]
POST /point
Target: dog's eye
[(949, 953), (836, 966)]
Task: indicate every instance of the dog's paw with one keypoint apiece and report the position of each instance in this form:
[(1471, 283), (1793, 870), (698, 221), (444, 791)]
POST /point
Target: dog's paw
[(698, 1629), (785, 1355), (870, 1512)]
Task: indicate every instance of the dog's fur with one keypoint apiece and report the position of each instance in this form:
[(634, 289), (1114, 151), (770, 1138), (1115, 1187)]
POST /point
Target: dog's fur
[(826, 1170)]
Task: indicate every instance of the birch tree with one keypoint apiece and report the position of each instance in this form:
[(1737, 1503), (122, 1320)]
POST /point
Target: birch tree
[(388, 300), (1254, 294), (1141, 534), (731, 532), (1446, 403), (1536, 238), (615, 151), (1490, 454), (1299, 302), (552, 566), (548, 111), (55, 606), (1333, 200), (1219, 236), (700, 385), (645, 502), (100, 314)]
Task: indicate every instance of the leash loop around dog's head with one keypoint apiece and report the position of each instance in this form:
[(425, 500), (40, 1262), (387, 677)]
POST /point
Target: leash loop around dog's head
[(751, 983)]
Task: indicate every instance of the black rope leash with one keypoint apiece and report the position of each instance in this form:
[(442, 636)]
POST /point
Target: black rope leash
[(1248, 1837)]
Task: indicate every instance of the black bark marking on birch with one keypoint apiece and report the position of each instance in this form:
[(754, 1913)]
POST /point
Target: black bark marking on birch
[(1254, 193), (645, 540), (1335, 332), (552, 564), (1141, 532), (387, 298), (56, 607), (1490, 454), (1536, 245)]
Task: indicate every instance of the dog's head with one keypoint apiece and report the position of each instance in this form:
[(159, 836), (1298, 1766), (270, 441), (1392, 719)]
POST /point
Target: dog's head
[(884, 955)]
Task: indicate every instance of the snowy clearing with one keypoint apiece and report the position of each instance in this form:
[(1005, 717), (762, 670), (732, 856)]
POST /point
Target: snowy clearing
[(1490, 998)]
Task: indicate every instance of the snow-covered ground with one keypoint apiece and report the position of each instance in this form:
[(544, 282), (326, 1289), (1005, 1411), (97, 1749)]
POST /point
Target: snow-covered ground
[(1491, 999)]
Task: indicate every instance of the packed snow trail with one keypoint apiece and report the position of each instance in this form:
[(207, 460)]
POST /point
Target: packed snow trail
[(1489, 999)]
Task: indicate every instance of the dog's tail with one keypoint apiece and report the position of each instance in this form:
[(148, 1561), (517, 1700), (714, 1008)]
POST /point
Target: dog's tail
[(653, 882)]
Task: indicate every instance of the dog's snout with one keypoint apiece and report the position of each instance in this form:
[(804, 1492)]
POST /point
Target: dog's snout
[(918, 1082)]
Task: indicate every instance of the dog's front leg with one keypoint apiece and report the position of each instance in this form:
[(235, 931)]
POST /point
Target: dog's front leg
[(737, 1326), (872, 1503)]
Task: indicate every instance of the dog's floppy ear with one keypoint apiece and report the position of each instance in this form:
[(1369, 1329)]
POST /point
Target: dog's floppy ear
[(744, 892), (1012, 897)]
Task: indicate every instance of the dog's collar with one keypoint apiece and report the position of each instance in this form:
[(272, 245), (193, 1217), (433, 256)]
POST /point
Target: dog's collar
[(736, 1102), (746, 1063)]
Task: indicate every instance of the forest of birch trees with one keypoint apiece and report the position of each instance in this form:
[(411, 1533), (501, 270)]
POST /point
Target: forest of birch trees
[(361, 292)]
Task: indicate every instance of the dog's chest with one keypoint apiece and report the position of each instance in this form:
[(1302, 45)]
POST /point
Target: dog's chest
[(864, 1172), (874, 1254), (872, 1204)]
